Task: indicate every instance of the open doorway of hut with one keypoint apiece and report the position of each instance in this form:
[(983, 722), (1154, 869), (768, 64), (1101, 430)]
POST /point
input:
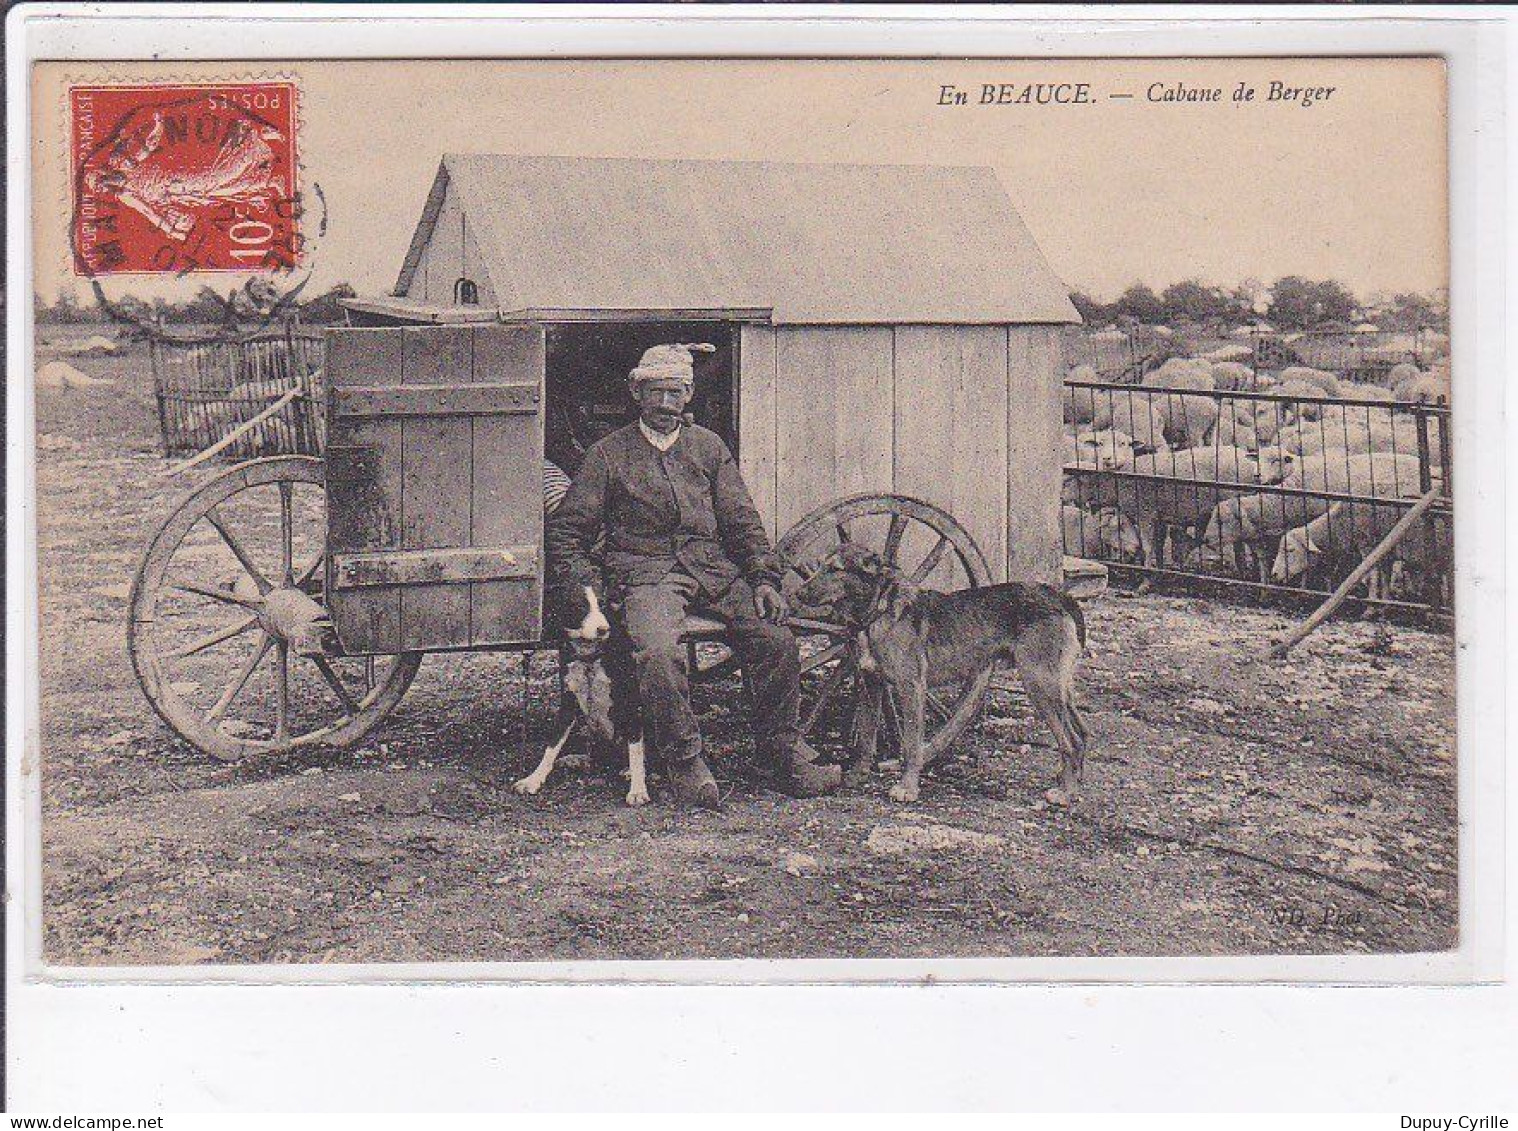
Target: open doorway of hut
[(588, 363)]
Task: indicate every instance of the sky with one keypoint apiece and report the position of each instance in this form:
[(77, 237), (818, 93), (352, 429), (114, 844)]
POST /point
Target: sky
[(1116, 190)]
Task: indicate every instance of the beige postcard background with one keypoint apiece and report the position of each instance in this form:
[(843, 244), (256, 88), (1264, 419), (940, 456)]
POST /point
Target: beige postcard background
[(1117, 190), (1134, 182)]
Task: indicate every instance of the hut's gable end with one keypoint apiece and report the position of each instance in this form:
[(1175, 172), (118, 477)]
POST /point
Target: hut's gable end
[(445, 249), (813, 244)]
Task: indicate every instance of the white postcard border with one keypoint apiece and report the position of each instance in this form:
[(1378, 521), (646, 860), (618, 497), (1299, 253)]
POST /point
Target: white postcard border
[(46, 1002)]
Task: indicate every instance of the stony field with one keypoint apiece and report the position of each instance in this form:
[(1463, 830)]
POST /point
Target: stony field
[(1234, 805)]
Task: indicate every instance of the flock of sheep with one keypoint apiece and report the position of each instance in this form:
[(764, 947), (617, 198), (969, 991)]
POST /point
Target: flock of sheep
[(1183, 456)]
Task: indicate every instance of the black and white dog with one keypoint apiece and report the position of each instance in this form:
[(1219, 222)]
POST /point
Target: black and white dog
[(587, 685), (588, 701)]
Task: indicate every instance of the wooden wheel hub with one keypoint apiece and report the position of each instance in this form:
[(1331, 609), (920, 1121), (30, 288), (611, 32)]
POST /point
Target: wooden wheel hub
[(291, 615)]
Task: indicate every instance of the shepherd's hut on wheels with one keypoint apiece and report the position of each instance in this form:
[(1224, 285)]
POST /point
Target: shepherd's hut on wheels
[(887, 369)]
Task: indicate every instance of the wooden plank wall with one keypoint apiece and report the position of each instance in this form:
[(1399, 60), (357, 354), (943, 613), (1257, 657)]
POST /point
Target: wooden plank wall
[(951, 427), (756, 419), (965, 417), (1034, 368), (435, 481), (834, 414)]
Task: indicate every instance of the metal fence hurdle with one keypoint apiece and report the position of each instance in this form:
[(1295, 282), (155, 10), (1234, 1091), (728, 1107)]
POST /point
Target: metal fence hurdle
[(1260, 491), (1360, 355), (1116, 355)]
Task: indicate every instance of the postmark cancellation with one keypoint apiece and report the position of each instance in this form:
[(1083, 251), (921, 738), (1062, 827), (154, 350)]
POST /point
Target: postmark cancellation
[(169, 179)]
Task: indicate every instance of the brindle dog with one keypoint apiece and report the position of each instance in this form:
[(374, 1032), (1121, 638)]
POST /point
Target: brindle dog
[(908, 633)]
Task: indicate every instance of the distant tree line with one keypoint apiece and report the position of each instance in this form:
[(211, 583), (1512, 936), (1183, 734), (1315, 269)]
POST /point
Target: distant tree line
[(208, 307), (1292, 302)]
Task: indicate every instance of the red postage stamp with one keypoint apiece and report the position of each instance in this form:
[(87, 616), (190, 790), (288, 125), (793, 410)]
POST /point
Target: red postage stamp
[(175, 179)]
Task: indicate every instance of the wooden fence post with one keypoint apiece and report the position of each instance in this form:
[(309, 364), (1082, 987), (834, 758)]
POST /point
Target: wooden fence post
[(1372, 559)]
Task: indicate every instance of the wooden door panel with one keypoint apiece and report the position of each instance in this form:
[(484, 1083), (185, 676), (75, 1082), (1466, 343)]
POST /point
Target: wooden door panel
[(508, 461), (364, 496), (435, 482), (436, 452)]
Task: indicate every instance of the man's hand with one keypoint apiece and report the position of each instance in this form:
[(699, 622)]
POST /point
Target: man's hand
[(770, 604)]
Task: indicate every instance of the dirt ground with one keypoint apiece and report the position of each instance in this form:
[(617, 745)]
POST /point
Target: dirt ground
[(1233, 806)]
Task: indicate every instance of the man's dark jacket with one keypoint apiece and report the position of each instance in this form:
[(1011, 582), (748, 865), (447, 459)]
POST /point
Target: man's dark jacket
[(687, 506)]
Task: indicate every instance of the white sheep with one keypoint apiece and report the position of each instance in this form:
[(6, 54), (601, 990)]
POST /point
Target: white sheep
[(1120, 537), (1097, 449), (1372, 394), (1166, 505), (1251, 520), (1403, 373), (1308, 408), (1080, 404), (1382, 432), (1081, 531), (1182, 373), (1188, 418), (1324, 380), (1328, 433), (1428, 389), (1135, 413), (1230, 376), (1103, 448), (1230, 431), (1352, 530), (1270, 417), (1344, 529)]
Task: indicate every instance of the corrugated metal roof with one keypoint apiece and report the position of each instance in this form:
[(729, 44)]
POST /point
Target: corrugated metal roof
[(814, 243)]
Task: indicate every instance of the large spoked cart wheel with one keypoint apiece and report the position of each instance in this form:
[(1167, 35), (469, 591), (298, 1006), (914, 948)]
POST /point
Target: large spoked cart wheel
[(228, 635), (933, 551)]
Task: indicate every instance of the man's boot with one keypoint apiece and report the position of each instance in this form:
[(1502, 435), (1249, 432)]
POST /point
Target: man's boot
[(800, 774), (693, 783)]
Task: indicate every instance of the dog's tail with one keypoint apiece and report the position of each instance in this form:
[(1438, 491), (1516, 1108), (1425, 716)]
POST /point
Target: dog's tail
[(1072, 606)]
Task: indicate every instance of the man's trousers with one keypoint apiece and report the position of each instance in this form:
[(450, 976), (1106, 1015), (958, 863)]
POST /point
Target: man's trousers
[(646, 652)]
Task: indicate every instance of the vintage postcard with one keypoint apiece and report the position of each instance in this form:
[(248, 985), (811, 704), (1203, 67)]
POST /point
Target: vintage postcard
[(533, 512)]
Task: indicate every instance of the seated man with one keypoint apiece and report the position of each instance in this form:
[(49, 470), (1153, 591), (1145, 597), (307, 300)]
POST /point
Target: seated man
[(682, 535)]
